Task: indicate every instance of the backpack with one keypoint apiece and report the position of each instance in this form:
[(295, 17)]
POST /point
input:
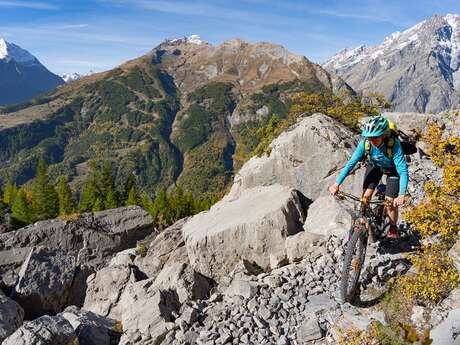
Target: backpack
[(407, 146)]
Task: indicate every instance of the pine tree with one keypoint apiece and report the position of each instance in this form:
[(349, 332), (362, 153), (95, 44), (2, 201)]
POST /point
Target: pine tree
[(129, 183), (66, 203), (108, 188), (89, 194), (111, 200), (98, 205), (45, 201), (132, 197), (159, 209), (145, 201), (9, 193), (20, 211)]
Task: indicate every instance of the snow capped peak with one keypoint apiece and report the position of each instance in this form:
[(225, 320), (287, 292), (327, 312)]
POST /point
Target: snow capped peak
[(3, 49), (195, 39), (423, 34), (71, 76), (11, 51)]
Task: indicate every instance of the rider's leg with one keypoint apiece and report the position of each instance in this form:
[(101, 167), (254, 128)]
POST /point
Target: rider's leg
[(372, 177), (368, 193), (391, 192), (392, 211)]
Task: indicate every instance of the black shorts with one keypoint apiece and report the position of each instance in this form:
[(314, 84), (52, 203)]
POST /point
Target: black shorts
[(372, 178)]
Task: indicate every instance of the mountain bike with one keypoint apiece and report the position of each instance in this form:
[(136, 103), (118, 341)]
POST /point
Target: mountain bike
[(369, 223)]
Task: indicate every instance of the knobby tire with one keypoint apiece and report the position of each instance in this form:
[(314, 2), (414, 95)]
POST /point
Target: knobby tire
[(356, 244)]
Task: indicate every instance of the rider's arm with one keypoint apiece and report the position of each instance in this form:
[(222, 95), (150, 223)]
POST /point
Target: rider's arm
[(401, 167), (355, 158)]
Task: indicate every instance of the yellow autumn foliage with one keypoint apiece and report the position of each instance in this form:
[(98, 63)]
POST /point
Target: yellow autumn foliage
[(436, 275)]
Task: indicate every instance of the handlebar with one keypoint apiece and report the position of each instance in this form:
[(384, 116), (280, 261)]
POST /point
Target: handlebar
[(342, 195)]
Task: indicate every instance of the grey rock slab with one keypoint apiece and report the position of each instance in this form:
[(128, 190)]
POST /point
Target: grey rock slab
[(92, 240), (11, 316), (105, 288), (326, 216), (309, 330), (165, 248), (46, 330), (44, 282), (448, 331), (147, 313), (320, 302), (454, 253), (90, 328), (216, 240), (185, 281), (312, 150), (243, 288)]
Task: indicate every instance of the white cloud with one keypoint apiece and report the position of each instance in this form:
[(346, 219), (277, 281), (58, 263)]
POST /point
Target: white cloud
[(28, 4)]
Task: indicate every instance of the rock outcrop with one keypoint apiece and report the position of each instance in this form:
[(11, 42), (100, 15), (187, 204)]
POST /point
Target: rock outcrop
[(11, 316), (305, 157), (253, 227), (92, 329), (46, 330), (44, 281), (92, 239)]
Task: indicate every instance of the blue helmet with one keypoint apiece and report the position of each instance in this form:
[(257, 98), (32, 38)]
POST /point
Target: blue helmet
[(375, 127)]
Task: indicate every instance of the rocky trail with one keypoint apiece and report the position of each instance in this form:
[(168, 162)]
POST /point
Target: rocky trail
[(262, 266)]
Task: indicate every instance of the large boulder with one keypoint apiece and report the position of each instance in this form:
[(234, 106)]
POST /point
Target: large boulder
[(448, 331), (185, 281), (45, 330), (11, 316), (148, 313), (92, 240), (327, 216), (105, 288), (165, 249), (92, 329), (307, 157), (44, 282), (252, 227)]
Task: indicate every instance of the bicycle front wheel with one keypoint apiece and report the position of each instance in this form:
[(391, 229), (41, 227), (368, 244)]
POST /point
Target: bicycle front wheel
[(353, 262)]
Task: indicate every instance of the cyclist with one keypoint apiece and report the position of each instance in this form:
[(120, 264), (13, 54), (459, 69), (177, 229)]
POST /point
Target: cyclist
[(377, 132)]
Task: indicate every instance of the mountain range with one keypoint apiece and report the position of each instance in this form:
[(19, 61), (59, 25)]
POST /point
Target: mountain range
[(23, 76), (185, 112), (416, 70)]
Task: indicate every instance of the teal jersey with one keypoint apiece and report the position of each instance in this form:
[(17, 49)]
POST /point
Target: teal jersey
[(377, 157)]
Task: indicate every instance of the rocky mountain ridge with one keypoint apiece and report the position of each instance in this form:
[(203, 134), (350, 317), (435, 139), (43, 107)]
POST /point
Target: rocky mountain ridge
[(416, 70), (23, 76), (225, 276)]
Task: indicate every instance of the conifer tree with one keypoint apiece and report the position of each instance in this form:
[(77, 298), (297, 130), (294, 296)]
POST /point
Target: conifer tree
[(111, 200), (9, 193), (132, 197), (129, 183), (145, 201), (98, 205), (89, 194), (107, 187), (66, 203), (45, 201), (20, 211)]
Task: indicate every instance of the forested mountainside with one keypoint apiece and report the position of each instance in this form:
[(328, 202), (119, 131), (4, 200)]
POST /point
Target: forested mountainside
[(179, 113)]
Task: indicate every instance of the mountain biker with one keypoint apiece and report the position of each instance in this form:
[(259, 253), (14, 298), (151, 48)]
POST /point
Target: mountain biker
[(377, 131)]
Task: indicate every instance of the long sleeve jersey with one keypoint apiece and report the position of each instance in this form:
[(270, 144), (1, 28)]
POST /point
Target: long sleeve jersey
[(377, 156)]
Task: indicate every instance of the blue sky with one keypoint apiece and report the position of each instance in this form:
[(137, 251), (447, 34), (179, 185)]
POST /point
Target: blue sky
[(83, 35)]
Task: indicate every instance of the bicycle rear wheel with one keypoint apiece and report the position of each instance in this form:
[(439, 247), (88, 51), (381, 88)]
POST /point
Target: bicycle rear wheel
[(352, 263)]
